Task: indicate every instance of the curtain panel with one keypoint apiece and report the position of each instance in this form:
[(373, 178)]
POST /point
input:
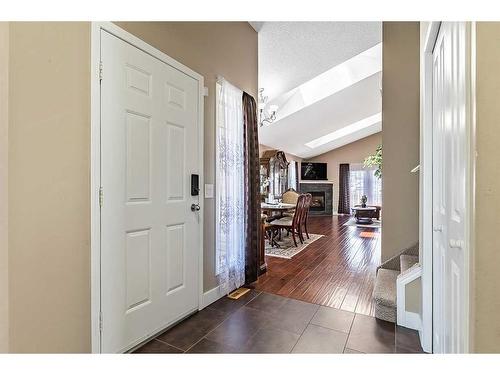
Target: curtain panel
[(230, 226), (344, 197), (252, 186)]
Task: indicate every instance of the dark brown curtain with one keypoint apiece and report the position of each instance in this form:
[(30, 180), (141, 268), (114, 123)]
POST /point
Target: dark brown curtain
[(252, 194), (344, 198)]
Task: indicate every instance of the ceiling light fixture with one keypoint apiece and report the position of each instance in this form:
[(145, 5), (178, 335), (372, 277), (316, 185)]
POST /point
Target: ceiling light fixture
[(266, 116)]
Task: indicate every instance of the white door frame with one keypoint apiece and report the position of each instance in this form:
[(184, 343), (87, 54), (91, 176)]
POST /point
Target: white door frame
[(95, 165), (426, 191)]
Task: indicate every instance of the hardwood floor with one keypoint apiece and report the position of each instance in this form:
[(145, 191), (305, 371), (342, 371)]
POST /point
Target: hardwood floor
[(338, 270)]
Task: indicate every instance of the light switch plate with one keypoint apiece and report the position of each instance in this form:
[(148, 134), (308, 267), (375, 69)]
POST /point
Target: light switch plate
[(209, 190)]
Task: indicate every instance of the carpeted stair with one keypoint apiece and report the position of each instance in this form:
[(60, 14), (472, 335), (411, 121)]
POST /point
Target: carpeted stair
[(384, 293), (407, 261)]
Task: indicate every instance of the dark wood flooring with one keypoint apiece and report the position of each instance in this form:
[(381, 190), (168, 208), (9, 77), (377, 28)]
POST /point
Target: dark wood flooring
[(267, 323), (338, 270)]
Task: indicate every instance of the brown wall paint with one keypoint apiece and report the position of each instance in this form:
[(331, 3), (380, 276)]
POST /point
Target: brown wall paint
[(486, 253), (209, 48), (400, 135), (355, 152), (49, 164), (49, 199), (4, 198)]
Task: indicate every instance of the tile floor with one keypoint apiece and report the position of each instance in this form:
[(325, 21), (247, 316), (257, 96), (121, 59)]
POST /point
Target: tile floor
[(268, 323)]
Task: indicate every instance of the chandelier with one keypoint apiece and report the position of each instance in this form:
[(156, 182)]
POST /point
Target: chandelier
[(266, 116)]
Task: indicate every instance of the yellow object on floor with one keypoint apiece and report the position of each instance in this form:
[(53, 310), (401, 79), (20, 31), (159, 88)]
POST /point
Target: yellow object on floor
[(240, 292), (369, 234)]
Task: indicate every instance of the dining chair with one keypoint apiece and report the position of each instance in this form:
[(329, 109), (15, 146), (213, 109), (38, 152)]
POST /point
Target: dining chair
[(290, 196), (293, 224), (305, 214)]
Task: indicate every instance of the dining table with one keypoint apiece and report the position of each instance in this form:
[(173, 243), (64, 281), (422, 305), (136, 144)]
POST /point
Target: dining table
[(279, 208), (270, 211)]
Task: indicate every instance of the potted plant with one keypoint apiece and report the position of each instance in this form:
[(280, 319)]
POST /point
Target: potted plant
[(364, 199), (375, 160)]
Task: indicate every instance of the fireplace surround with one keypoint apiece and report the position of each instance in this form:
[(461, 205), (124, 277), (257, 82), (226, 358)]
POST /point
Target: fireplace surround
[(322, 194)]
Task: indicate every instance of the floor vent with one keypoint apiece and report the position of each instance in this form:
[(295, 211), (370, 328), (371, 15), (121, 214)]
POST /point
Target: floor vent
[(240, 292)]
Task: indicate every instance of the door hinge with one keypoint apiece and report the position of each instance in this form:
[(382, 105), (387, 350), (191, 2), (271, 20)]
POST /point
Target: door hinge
[(100, 71), (101, 196), (100, 321)]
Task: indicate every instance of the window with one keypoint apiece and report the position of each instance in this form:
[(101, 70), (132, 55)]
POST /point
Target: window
[(362, 181), (292, 175)]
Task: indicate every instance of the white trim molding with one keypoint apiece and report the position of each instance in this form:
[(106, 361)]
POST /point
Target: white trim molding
[(407, 318), (95, 152), (95, 181), (211, 296), (425, 219)]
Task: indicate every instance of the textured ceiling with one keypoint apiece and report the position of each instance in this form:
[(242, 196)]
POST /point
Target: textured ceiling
[(291, 53), (353, 104)]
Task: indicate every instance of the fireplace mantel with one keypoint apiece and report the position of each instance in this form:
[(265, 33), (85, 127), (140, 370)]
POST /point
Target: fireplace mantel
[(315, 182), (325, 187)]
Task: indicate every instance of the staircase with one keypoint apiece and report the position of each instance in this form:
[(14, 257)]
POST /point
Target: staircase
[(386, 290)]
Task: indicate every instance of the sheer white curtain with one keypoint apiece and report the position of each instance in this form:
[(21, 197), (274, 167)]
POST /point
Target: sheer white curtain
[(362, 181), (229, 205), (292, 175)]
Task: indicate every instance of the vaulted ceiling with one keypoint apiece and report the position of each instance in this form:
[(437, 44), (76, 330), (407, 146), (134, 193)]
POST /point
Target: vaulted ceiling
[(325, 77)]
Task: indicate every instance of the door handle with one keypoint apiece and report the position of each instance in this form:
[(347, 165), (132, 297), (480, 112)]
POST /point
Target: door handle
[(438, 228), (456, 244), (195, 207)]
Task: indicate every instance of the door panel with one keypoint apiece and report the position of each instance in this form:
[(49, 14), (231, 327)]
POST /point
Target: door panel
[(176, 273), (138, 157), (149, 236), (449, 187), (138, 254)]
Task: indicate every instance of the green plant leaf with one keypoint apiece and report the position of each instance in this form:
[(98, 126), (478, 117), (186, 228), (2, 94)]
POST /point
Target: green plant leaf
[(375, 160)]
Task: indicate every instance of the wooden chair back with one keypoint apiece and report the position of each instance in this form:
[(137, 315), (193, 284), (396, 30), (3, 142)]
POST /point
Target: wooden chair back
[(308, 202), (299, 211)]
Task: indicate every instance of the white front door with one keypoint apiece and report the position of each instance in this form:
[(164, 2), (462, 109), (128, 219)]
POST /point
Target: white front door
[(450, 150), (149, 234)]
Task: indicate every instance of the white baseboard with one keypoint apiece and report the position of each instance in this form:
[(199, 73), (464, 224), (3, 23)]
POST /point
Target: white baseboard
[(411, 320), (211, 296)]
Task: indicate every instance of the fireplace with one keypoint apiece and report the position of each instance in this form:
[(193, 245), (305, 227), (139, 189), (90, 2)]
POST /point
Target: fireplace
[(322, 197), (318, 201)]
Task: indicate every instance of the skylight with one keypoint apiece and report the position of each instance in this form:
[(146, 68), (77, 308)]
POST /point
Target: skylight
[(346, 130), (338, 78)]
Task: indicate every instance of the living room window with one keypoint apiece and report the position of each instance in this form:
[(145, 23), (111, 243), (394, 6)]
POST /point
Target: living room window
[(362, 181)]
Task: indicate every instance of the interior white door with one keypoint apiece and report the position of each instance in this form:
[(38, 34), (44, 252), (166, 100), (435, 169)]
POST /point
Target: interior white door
[(149, 234), (449, 188)]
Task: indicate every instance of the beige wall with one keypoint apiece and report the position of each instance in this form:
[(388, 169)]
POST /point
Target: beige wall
[(413, 301), (209, 48), (486, 278), (49, 206), (49, 164), (400, 135), (264, 148), (355, 152), (4, 147)]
